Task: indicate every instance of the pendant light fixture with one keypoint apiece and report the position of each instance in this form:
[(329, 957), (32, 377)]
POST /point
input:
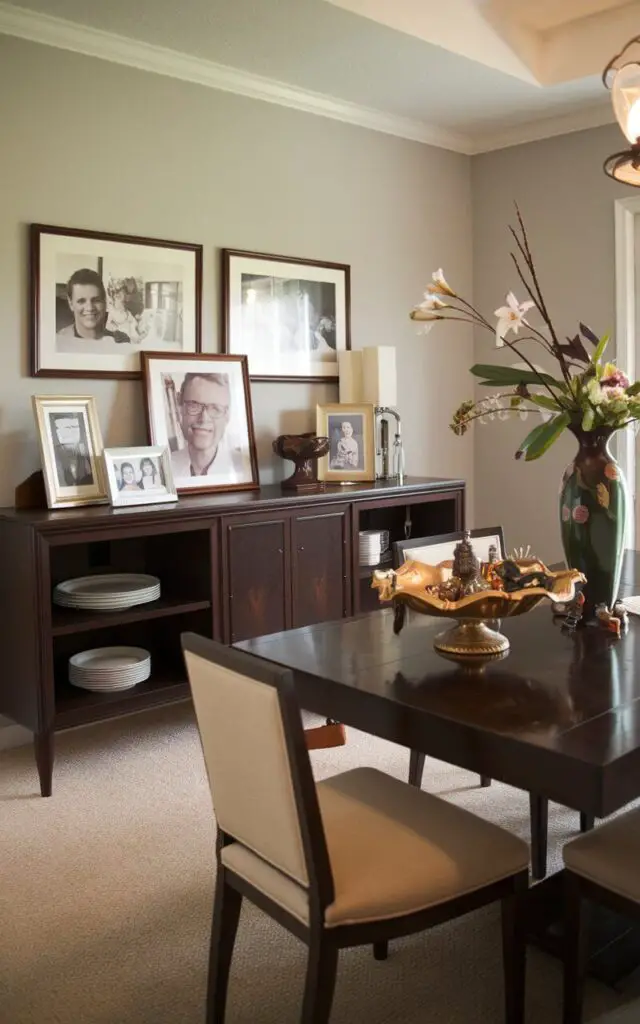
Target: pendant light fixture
[(622, 78)]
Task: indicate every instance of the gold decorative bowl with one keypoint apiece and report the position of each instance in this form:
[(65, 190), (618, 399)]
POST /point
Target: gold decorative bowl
[(411, 585)]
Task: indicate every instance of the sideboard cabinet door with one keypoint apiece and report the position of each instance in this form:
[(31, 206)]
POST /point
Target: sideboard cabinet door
[(321, 588), (256, 562)]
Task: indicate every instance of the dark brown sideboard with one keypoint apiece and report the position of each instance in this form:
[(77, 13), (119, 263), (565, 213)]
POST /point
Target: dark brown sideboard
[(232, 566)]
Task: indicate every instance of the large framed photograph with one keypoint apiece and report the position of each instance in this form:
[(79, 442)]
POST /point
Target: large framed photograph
[(140, 475), (350, 429), (289, 316), (200, 408), (71, 450), (98, 300)]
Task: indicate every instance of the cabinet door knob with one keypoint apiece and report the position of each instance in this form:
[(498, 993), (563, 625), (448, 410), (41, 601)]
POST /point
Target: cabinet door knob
[(279, 551), (301, 548)]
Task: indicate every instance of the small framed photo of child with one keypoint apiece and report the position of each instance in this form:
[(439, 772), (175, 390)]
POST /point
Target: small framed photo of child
[(350, 429), (139, 476)]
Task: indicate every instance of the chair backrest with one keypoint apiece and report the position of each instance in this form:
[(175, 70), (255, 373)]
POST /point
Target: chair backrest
[(434, 550), (259, 771)]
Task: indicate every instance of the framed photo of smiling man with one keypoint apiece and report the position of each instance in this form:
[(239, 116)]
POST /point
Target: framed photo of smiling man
[(200, 407), (99, 300)]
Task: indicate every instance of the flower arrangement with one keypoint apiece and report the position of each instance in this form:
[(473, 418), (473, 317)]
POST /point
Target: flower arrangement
[(584, 393)]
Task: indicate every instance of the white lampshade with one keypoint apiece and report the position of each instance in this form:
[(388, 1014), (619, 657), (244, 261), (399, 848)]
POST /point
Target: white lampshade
[(350, 372), (379, 384)]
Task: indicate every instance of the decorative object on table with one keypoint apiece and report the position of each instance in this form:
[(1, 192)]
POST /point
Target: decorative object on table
[(622, 78), (488, 543), (98, 300), (351, 455), (200, 407), (289, 316), (369, 375), (303, 450), (474, 594), (373, 546), (140, 475), (115, 591), (616, 621), (71, 449), (586, 395), (108, 669)]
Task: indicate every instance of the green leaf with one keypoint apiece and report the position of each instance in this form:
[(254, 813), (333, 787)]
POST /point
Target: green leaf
[(499, 375), (634, 389), (588, 419), (599, 352), (544, 402), (540, 439)]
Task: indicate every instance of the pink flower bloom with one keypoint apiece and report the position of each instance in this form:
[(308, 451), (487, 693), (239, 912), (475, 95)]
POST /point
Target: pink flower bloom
[(580, 514), (617, 379), (566, 513)]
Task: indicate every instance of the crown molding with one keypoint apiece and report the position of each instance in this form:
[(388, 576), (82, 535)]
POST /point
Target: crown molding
[(91, 42), (593, 116)]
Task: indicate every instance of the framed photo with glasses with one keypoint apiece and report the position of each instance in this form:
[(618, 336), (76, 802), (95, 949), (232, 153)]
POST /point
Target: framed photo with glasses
[(199, 406)]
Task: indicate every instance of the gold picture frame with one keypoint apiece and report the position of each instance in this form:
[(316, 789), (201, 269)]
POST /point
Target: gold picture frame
[(350, 428), (71, 450)]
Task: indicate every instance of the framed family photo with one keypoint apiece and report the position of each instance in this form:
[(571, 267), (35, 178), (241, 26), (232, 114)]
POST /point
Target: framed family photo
[(140, 475), (289, 316), (71, 450), (350, 429), (200, 408), (98, 300)]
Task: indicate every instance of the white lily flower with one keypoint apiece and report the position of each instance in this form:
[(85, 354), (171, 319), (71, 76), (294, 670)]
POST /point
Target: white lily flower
[(431, 302), (511, 317), (439, 284)]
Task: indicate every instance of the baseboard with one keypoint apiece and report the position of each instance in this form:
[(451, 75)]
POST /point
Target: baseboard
[(12, 735)]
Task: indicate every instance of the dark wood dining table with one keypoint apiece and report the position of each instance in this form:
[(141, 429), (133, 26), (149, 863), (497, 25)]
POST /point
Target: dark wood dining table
[(559, 716)]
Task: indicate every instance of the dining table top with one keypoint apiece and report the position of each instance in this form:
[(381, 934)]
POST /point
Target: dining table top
[(558, 716)]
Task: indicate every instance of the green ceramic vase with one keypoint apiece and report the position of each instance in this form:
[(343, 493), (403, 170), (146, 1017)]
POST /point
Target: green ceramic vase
[(593, 514)]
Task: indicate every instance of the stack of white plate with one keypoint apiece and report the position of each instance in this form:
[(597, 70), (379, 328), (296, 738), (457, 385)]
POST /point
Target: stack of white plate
[(103, 669), (373, 544), (112, 592)]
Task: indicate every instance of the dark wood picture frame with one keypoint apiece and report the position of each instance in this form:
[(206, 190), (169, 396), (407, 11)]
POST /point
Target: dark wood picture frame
[(227, 255), (38, 367), (148, 358)]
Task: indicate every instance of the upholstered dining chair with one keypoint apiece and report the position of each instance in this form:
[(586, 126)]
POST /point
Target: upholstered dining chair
[(600, 867), (434, 550), (357, 859)]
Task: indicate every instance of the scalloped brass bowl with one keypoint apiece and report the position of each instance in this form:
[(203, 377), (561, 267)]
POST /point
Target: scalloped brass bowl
[(407, 587)]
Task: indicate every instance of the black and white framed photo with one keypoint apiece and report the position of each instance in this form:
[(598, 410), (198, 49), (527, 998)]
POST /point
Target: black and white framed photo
[(200, 408), (98, 300), (350, 429), (71, 450), (289, 316), (139, 476), (487, 542)]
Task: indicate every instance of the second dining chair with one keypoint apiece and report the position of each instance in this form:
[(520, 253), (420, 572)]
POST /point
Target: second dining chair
[(358, 859)]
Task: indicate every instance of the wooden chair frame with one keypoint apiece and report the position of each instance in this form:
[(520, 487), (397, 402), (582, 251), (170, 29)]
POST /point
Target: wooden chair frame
[(324, 943), (578, 891)]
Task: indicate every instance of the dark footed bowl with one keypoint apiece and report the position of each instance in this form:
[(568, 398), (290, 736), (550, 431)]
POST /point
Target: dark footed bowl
[(301, 446)]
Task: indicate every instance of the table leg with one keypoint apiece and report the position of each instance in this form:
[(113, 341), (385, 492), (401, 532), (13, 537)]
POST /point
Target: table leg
[(539, 810), (43, 748)]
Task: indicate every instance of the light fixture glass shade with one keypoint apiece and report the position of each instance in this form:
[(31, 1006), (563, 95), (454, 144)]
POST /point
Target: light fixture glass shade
[(624, 167), (625, 93)]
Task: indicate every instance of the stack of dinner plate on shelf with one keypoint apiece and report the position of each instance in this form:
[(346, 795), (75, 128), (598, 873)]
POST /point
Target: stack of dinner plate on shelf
[(114, 591), (373, 545), (105, 669)]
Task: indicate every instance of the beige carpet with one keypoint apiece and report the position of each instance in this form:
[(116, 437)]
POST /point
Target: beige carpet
[(106, 888)]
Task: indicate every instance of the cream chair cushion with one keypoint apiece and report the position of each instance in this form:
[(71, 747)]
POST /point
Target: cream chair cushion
[(393, 849), (609, 855), (247, 763)]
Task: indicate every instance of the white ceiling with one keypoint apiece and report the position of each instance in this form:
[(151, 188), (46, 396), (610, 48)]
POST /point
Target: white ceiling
[(467, 74)]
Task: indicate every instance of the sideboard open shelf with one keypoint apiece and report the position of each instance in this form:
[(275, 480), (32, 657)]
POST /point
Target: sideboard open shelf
[(231, 567)]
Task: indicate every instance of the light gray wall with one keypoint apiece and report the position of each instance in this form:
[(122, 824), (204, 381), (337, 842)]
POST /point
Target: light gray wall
[(568, 206), (90, 144)]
